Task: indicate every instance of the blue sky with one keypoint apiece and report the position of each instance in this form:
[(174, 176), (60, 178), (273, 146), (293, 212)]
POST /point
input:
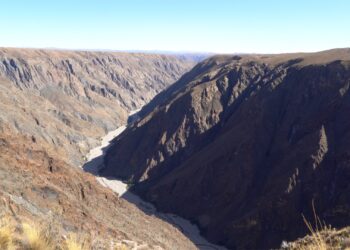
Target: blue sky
[(223, 26)]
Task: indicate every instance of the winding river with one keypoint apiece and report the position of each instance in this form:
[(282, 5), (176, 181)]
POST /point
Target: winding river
[(95, 162)]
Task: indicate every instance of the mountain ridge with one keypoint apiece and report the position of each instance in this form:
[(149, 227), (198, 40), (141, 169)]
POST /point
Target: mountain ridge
[(226, 137), (84, 94), (54, 107)]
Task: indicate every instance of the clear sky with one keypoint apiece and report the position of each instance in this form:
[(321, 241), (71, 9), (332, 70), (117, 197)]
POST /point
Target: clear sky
[(224, 26)]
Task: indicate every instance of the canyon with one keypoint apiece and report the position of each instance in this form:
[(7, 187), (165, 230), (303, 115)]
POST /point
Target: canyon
[(55, 106), (71, 98), (166, 152), (243, 145), (96, 162)]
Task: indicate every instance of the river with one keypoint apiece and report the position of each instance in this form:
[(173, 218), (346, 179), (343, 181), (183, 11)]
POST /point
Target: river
[(95, 162)]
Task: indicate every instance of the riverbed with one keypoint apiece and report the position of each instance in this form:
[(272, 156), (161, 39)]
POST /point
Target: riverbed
[(95, 162)]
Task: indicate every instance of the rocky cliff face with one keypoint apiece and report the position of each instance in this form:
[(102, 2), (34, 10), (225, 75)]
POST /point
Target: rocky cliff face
[(69, 99), (243, 144), (36, 185), (54, 105)]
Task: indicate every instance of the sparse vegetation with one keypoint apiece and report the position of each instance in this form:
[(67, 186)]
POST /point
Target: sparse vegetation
[(32, 236), (121, 247), (326, 239), (35, 238), (321, 237), (72, 243), (7, 231)]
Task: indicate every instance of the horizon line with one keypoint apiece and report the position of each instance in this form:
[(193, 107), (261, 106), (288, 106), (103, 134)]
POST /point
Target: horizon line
[(165, 52)]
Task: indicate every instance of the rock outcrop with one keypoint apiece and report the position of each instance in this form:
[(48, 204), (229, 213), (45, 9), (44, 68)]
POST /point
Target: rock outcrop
[(243, 144), (37, 186), (70, 99), (54, 107)]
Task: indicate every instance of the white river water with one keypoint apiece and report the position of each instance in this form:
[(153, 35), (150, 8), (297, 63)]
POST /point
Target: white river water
[(95, 162)]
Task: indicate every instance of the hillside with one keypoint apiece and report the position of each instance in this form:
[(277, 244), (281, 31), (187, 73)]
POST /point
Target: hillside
[(54, 107), (37, 186), (243, 144), (71, 98)]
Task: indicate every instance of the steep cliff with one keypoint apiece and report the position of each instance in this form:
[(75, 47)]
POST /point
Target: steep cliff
[(243, 144), (69, 99), (54, 105)]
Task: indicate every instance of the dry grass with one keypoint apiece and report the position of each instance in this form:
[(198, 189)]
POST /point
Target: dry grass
[(35, 238), (72, 243), (322, 236), (317, 239), (7, 231), (16, 235), (121, 247)]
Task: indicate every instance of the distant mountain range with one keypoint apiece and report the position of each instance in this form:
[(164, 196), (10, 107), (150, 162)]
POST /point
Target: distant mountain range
[(196, 56)]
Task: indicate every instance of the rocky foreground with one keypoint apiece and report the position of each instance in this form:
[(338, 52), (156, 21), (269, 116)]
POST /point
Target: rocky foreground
[(243, 145), (37, 186)]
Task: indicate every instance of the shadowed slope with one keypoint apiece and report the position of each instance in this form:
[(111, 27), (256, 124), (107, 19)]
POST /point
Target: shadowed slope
[(242, 144)]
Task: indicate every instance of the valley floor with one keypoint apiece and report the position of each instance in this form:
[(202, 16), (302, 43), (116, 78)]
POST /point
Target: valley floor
[(95, 162)]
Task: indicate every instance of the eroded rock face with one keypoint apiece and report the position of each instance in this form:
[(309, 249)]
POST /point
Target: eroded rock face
[(54, 106), (243, 144), (69, 99), (36, 185)]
